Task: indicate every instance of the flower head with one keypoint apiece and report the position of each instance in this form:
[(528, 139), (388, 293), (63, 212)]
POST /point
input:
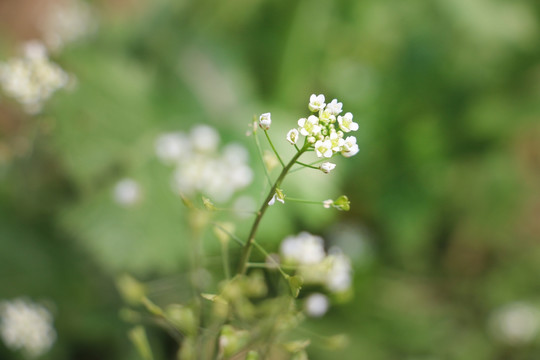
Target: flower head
[(316, 305), (309, 126), (316, 102), (346, 124), (26, 326), (292, 136), (350, 148), (265, 121), (326, 167), (334, 107), (323, 148)]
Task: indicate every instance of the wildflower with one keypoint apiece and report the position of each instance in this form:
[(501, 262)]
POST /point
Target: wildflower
[(67, 22), (32, 79), (303, 248), (279, 196), (204, 138), (199, 167), (172, 147), (337, 141), (346, 124), (316, 102), (328, 203), (26, 326), (326, 167), (339, 273), (326, 117), (323, 148), (127, 192), (309, 126), (517, 323), (316, 305), (265, 121), (334, 107), (292, 136), (350, 148)]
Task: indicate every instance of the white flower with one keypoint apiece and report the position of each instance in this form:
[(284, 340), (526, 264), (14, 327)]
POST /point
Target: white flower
[(350, 148), (304, 249), (279, 196), (326, 167), (323, 148), (26, 326), (316, 102), (66, 22), (204, 138), (326, 117), (172, 147), (32, 79), (201, 168), (316, 305), (309, 126), (337, 141), (339, 274), (328, 203), (346, 124), (334, 107), (292, 136), (127, 192), (517, 323), (265, 121)]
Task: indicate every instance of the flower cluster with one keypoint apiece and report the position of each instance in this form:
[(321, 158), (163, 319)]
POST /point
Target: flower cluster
[(325, 130), (306, 251), (26, 326), (32, 79), (200, 167)]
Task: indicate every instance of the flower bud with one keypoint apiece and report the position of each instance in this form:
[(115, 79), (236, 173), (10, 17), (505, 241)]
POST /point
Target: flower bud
[(292, 136), (326, 167), (265, 121)]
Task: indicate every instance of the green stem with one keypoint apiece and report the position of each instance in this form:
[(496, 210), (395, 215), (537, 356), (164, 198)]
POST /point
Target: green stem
[(304, 201), (257, 142), (273, 148), (249, 243), (307, 165)]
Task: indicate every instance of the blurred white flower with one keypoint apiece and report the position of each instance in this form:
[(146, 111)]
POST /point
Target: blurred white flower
[(265, 121), (65, 22), (316, 102), (315, 266), (517, 323), (32, 79), (316, 305), (339, 273), (200, 167), (127, 192), (26, 326), (204, 138), (172, 147), (303, 248)]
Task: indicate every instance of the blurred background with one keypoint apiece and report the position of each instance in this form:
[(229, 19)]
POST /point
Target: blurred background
[(444, 227)]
